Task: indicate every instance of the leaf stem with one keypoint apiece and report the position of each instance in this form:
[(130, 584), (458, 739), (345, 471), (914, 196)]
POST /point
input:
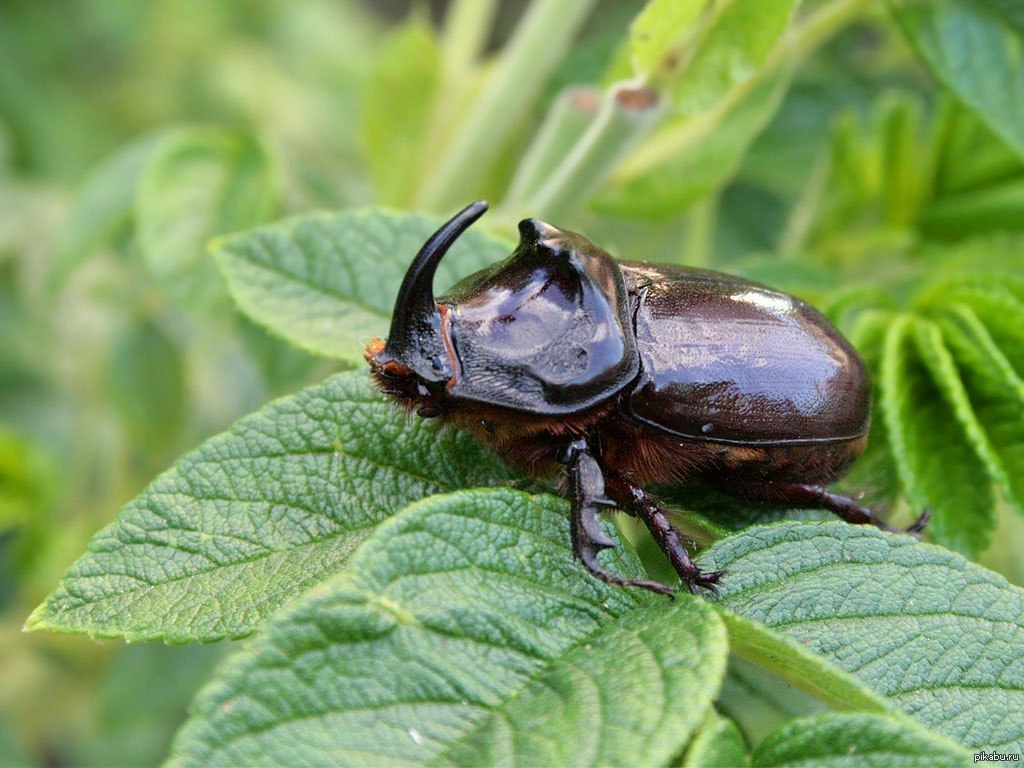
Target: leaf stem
[(627, 114), (467, 25), (569, 117), (537, 45)]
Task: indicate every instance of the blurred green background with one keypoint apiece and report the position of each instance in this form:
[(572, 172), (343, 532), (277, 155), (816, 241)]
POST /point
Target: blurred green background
[(109, 370)]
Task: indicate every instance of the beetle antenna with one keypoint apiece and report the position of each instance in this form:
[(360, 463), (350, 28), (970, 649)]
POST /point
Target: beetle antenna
[(414, 322)]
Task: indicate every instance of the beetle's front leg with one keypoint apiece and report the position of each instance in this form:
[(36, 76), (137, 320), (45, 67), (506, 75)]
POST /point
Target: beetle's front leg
[(586, 485)]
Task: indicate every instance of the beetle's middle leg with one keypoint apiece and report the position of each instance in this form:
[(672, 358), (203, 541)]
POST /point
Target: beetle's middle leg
[(586, 483), (648, 510), (816, 497)]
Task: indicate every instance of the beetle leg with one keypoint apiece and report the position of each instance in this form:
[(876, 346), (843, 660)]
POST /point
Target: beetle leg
[(814, 496), (693, 578), (586, 481)]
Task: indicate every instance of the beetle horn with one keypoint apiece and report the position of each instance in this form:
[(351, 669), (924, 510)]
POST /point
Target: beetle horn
[(413, 339)]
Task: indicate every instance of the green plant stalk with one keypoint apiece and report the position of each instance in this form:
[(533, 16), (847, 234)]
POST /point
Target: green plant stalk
[(799, 43), (700, 232), (569, 117), (466, 27), (537, 45), (627, 115)]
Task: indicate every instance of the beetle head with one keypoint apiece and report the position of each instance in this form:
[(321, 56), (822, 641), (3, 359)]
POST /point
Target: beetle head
[(546, 331), (413, 362)]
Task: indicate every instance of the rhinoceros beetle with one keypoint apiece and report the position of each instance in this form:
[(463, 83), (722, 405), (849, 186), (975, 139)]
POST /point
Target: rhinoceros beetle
[(627, 374)]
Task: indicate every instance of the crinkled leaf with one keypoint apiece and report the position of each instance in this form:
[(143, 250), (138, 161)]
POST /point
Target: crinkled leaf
[(325, 281), (869, 741), (938, 466), (1002, 314), (996, 391), (717, 744), (200, 183), (940, 637), (463, 627), (255, 515), (706, 159), (396, 114), (973, 53), (630, 695), (946, 377)]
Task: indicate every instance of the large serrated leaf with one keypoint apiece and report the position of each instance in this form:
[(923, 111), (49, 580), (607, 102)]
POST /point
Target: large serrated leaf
[(200, 183), (946, 378), (464, 632), (255, 515), (1002, 314), (938, 466), (868, 741), (974, 54), (941, 638), (996, 391), (325, 281)]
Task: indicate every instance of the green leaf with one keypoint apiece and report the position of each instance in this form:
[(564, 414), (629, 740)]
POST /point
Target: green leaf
[(705, 155), (858, 739), (717, 744), (396, 114), (103, 207), (630, 695), (730, 52), (999, 207), (553, 666), (793, 663), (1011, 11), (946, 377), (996, 391), (1001, 312), (325, 281), (660, 34), (255, 515), (976, 56), (937, 464), (147, 385), (200, 183), (940, 637), (25, 480), (874, 473)]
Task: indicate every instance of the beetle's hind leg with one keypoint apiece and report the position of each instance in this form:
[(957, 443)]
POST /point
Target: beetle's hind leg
[(816, 497), (586, 483)]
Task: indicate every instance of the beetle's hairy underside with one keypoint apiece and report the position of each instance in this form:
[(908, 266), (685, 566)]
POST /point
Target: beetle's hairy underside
[(624, 374)]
